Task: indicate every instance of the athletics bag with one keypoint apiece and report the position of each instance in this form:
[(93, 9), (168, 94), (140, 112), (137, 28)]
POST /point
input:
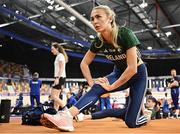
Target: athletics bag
[(33, 116)]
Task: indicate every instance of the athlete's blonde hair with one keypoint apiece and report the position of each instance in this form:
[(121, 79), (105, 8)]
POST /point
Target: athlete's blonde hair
[(114, 33)]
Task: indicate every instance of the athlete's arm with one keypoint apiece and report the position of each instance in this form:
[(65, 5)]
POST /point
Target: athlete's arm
[(88, 58)]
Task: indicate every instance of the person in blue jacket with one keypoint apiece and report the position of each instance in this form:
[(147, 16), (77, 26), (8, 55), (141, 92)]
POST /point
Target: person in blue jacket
[(35, 86)]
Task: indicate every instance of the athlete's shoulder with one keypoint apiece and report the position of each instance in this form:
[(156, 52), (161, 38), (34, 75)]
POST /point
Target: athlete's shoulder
[(124, 30), (60, 55)]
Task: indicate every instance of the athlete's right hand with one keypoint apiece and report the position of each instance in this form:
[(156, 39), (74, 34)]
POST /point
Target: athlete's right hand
[(101, 80)]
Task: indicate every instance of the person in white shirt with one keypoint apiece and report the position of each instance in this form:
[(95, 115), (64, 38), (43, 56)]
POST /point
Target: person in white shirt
[(59, 74)]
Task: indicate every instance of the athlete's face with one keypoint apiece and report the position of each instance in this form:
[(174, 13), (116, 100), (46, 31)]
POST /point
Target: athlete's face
[(100, 20), (173, 73), (54, 50)]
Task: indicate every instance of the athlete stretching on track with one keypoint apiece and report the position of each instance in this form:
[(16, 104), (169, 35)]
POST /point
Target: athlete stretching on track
[(118, 44)]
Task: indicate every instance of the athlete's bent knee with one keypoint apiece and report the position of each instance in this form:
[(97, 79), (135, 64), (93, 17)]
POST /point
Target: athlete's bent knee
[(98, 89), (131, 124)]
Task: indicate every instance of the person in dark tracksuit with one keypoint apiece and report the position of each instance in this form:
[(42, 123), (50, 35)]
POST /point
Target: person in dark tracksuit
[(35, 86), (174, 86), (119, 45)]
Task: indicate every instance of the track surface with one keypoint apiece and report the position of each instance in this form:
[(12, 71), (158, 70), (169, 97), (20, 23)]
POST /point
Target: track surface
[(103, 126)]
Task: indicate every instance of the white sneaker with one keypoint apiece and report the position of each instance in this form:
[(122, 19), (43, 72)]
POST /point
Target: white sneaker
[(148, 114), (176, 116), (62, 120), (79, 117)]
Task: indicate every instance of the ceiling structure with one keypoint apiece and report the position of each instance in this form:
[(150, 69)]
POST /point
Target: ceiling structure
[(40, 22)]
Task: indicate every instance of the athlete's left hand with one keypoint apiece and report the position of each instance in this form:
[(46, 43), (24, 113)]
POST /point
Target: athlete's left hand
[(104, 83)]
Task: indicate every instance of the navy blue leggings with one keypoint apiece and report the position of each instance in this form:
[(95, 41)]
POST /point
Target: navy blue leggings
[(175, 97), (137, 85), (116, 112)]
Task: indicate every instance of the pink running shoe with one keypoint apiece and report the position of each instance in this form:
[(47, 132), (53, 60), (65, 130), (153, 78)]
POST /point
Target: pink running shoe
[(45, 122), (62, 120)]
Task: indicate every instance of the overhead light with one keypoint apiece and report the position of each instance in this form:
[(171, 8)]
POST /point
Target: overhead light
[(17, 12), (158, 34), (1, 45), (136, 9), (50, 2), (79, 44), (144, 4), (34, 48), (150, 25), (91, 36), (178, 49), (4, 5), (72, 18), (50, 7), (56, 6), (141, 15), (149, 48), (128, 1), (155, 30), (43, 11), (168, 34), (59, 8), (131, 4), (53, 27), (146, 21)]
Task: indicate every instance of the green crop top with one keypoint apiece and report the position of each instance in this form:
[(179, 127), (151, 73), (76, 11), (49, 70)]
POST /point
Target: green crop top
[(126, 40)]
